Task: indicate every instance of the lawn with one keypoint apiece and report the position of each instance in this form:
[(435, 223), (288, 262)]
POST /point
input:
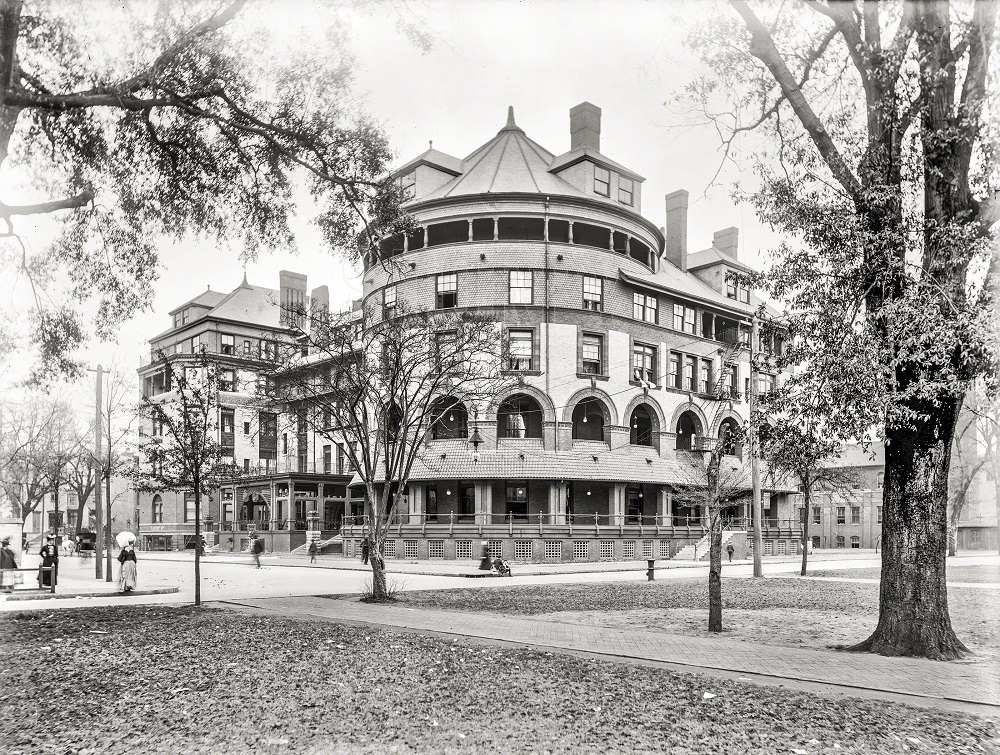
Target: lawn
[(786, 611), (980, 574), (183, 680)]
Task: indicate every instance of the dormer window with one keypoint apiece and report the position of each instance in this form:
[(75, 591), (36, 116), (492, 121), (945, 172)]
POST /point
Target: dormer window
[(625, 190), (602, 181)]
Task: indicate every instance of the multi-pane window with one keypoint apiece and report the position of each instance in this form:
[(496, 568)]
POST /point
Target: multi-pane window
[(705, 378), (520, 287), (674, 380), (765, 384), (593, 293), (691, 374), (684, 318), (463, 549), (496, 548), (593, 347), (519, 348), (410, 548), (840, 541), (327, 459), (817, 517), (644, 363), (195, 344), (581, 550), (227, 380), (855, 541), (435, 548), (855, 515), (445, 348), (602, 181), (607, 550), (732, 379), (447, 291), (731, 288), (522, 550), (157, 517), (644, 307), (189, 507), (841, 515), (228, 421), (628, 550), (744, 295), (625, 190), (247, 348), (517, 500), (553, 550), (664, 549), (389, 297), (390, 548), (227, 344)]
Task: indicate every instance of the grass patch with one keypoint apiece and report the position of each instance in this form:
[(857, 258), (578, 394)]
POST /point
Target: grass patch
[(978, 574), (183, 680)]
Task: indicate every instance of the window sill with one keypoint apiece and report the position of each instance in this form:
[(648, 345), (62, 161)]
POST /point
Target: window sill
[(592, 375), (529, 373), (637, 384)]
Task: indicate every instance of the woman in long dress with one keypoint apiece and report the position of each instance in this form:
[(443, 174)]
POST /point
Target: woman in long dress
[(126, 578), (50, 558), (7, 578)]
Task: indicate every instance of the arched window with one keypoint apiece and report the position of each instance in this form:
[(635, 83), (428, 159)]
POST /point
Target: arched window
[(393, 420), (729, 437), (688, 427), (519, 416), (588, 420), (449, 419), (840, 541), (641, 426), (157, 509)]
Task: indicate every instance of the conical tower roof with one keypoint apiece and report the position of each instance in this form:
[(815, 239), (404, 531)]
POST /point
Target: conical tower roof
[(510, 162)]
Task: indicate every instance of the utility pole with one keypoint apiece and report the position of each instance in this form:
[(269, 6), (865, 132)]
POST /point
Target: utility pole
[(755, 506), (98, 445), (107, 497)]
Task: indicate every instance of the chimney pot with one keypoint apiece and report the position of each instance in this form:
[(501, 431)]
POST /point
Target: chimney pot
[(585, 126)]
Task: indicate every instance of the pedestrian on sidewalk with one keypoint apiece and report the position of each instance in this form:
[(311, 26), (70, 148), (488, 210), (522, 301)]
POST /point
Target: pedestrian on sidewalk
[(257, 548), (312, 551), (128, 573), (730, 550), (50, 558), (365, 549), (7, 578)]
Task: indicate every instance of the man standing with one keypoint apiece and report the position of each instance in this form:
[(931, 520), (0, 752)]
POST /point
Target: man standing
[(312, 551), (50, 558), (730, 549), (257, 548)]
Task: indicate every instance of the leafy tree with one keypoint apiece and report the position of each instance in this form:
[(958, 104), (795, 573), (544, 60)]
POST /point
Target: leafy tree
[(878, 114), (379, 386), (147, 122), (183, 454)]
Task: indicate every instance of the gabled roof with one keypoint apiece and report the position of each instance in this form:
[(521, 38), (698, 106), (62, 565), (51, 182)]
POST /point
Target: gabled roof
[(510, 162), (436, 159), (713, 256), (246, 304), (207, 298), (586, 153)]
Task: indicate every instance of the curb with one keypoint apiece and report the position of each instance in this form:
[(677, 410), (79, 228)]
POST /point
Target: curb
[(104, 594)]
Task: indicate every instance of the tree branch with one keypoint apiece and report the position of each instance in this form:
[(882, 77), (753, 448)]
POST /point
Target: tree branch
[(763, 48), (41, 208)]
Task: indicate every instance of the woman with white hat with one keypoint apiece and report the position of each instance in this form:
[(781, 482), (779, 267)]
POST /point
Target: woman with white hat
[(127, 576)]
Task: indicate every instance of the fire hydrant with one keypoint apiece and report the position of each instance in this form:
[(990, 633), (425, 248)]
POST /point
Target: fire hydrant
[(649, 571)]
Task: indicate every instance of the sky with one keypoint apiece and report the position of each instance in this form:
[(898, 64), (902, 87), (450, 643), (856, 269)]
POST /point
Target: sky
[(540, 56)]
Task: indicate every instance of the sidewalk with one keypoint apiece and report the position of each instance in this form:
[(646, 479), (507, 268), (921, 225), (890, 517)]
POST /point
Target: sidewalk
[(70, 584), (977, 685), (470, 567)]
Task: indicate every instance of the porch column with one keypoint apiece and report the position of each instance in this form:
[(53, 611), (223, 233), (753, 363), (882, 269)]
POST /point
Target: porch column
[(416, 504), (557, 504), (664, 504), (617, 504), (484, 502)]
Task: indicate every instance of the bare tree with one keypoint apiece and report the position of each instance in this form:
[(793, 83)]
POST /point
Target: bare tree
[(184, 454), (379, 384)]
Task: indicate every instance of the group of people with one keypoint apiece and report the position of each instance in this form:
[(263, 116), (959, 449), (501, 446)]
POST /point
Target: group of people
[(48, 572)]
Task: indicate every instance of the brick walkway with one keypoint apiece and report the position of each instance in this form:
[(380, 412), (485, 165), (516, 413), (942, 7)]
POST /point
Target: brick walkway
[(972, 682)]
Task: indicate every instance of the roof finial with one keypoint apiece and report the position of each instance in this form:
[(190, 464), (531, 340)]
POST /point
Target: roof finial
[(430, 144), (510, 117), (244, 283)]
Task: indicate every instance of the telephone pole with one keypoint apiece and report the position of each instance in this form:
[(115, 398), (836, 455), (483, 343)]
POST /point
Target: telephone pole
[(755, 506), (98, 460)]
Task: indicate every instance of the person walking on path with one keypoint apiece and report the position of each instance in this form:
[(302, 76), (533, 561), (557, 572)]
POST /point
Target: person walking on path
[(312, 551), (257, 548), (128, 573), (365, 548), (7, 578), (730, 550), (50, 558)]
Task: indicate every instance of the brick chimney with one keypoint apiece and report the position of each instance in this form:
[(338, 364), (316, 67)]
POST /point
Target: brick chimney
[(727, 241), (585, 126), (676, 246)]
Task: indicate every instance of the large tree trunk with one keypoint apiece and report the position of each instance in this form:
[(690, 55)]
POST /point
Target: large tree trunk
[(715, 571), (913, 596), (380, 591)]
